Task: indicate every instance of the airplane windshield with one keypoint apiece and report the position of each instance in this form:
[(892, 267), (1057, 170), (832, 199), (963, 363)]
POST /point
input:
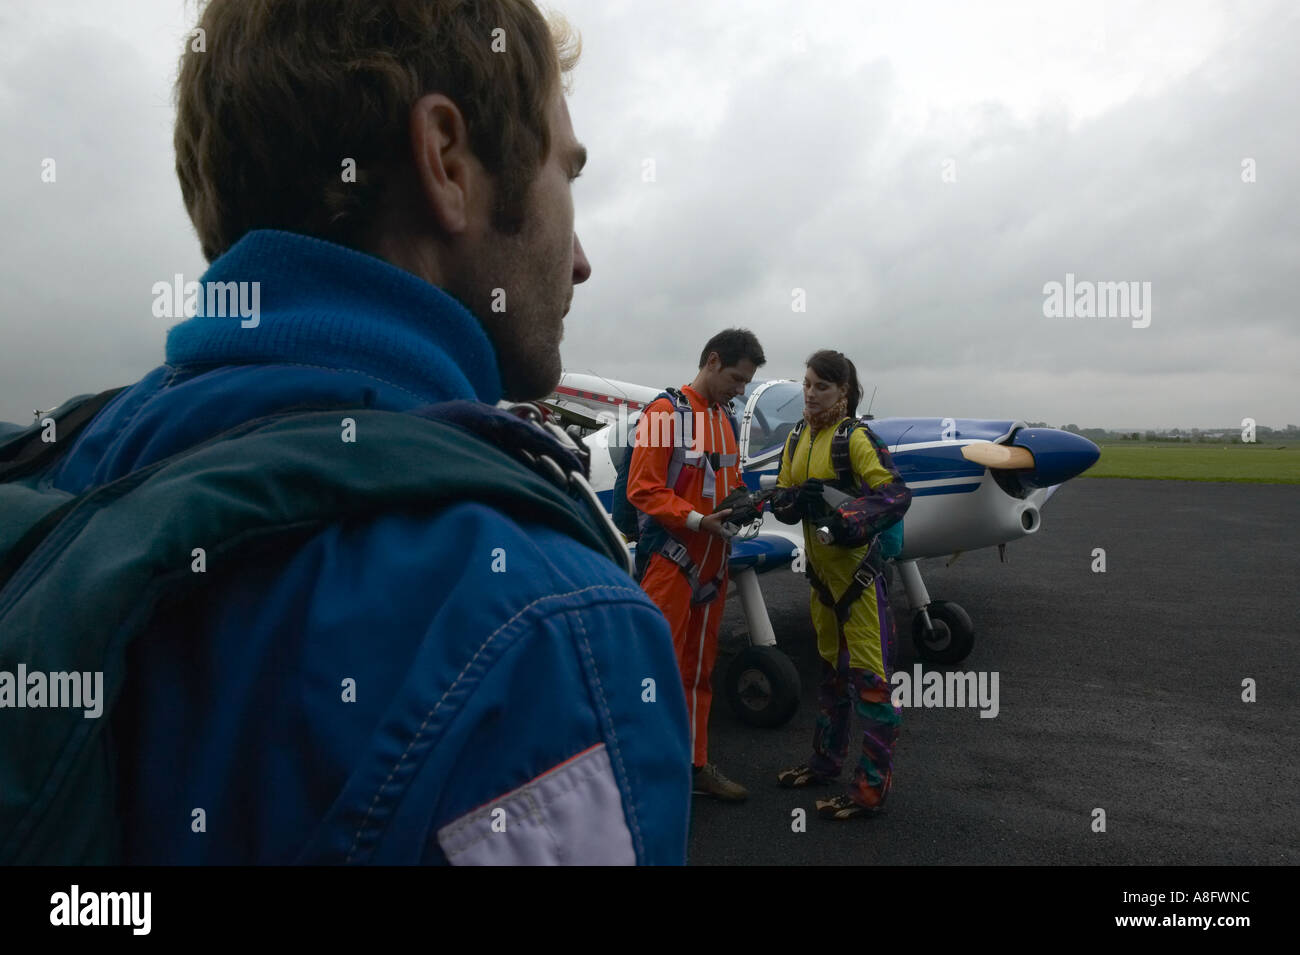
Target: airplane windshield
[(777, 410)]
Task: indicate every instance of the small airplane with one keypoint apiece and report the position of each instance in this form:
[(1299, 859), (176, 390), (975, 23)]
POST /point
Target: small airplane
[(975, 483)]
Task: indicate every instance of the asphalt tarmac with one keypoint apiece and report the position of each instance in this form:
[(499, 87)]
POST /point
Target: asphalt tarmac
[(1119, 691)]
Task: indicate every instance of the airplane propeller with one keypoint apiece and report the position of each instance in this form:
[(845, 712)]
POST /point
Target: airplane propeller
[(1001, 456)]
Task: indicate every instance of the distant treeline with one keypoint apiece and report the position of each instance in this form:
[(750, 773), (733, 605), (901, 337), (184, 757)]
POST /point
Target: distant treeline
[(1263, 434)]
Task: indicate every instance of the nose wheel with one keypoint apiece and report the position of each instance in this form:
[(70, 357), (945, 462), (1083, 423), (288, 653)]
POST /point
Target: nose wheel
[(763, 686), (943, 633)]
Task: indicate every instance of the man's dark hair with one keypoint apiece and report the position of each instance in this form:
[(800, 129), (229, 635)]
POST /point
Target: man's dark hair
[(732, 345)]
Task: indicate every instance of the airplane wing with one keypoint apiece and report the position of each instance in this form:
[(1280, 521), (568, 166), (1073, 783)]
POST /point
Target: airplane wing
[(773, 547), (570, 413)]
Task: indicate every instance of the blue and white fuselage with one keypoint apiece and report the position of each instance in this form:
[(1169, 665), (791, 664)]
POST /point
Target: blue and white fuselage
[(957, 504), (975, 483)]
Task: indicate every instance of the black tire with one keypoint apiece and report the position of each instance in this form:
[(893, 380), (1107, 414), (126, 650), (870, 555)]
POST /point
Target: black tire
[(763, 687), (952, 638)]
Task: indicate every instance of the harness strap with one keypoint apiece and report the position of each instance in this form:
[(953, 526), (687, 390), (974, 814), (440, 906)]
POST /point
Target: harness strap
[(792, 439), (863, 578), (675, 465), (26, 453), (841, 460), (682, 456), (701, 593)]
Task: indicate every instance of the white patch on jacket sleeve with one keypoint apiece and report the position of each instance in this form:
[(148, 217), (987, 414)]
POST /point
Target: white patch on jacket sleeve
[(569, 815)]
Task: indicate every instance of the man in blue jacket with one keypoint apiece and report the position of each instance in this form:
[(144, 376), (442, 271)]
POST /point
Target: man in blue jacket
[(390, 188)]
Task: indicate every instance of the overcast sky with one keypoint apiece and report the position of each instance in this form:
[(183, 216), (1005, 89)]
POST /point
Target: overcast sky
[(920, 170)]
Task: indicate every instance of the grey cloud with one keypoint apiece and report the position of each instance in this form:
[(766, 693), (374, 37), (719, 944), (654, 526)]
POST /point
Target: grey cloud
[(775, 170)]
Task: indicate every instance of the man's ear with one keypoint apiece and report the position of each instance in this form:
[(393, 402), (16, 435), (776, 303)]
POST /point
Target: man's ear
[(445, 166)]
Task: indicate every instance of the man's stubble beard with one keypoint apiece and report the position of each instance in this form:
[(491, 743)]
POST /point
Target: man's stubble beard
[(525, 336), (528, 356)]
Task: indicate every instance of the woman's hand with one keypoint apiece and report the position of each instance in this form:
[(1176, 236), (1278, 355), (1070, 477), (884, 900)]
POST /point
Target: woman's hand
[(785, 505), (811, 501)]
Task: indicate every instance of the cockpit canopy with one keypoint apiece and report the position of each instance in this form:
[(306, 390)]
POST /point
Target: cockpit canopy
[(776, 411)]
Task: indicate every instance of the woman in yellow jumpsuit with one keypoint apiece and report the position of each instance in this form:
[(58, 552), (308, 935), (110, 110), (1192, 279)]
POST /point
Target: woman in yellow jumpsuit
[(850, 607)]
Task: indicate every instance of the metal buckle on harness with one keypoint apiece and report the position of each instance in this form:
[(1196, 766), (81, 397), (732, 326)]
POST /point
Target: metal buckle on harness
[(551, 469), (531, 412), (578, 449), (675, 551), (573, 483), (871, 576), (871, 567)]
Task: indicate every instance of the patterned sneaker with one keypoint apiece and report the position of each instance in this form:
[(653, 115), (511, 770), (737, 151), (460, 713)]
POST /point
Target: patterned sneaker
[(842, 807), (801, 776), (710, 782)]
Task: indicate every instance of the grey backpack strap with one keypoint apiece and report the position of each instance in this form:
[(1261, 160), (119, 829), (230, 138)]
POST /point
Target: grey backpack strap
[(28, 451), (841, 456), (701, 593)]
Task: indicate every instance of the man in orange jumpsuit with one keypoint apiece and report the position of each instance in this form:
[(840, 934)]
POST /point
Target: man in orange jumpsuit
[(685, 460)]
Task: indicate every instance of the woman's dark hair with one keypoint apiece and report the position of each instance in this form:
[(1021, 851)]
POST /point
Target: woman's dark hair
[(834, 367)]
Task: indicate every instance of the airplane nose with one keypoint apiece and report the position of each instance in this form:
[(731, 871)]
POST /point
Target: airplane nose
[(1058, 455)]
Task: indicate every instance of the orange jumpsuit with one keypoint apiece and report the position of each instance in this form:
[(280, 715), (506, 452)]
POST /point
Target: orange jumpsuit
[(698, 488)]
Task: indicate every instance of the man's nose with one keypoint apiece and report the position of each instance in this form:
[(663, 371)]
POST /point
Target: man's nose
[(581, 267)]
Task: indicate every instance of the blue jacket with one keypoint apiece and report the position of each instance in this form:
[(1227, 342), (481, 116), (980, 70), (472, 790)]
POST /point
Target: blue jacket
[(381, 693)]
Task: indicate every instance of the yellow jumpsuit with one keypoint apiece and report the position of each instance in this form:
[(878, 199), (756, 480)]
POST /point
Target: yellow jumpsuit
[(856, 659)]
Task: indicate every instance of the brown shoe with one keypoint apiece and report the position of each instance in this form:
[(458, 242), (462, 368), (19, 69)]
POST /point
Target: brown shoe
[(710, 782)]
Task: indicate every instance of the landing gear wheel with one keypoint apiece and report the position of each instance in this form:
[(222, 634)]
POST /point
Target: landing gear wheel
[(952, 638), (763, 686)]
